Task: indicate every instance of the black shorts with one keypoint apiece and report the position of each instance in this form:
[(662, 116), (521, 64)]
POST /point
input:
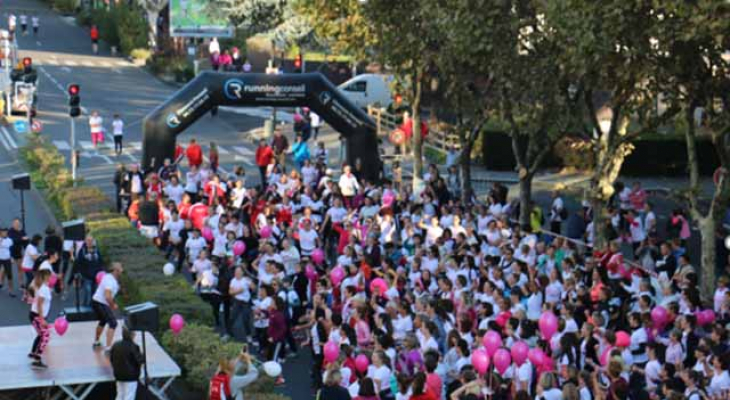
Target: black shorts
[(104, 314), (7, 266), (94, 41), (35, 29), (24, 27)]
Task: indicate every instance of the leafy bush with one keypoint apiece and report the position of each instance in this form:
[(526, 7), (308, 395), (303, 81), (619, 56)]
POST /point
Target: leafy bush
[(141, 54), (65, 6), (132, 28)]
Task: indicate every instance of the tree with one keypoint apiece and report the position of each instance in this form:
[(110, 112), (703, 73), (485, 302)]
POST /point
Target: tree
[(494, 61), (690, 39), (253, 16), (153, 8), (406, 40), (606, 50)]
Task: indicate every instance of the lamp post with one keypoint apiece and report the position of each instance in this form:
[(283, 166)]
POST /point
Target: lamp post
[(604, 115)]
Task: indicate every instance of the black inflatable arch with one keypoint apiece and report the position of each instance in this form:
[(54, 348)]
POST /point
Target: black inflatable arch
[(210, 89)]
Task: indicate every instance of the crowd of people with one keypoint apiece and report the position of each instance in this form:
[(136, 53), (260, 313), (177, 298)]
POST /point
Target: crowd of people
[(403, 295)]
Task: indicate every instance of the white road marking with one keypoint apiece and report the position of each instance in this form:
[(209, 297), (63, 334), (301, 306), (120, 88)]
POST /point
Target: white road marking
[(38, 43), (66, 69), (9, 137), (244, 151), (222, 150), (86, 145), (117, 71), (5, 142), (136, 145), (61, 145), (106, 158)]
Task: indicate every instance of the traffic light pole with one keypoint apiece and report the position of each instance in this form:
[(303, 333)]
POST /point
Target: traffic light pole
[(74, 157)]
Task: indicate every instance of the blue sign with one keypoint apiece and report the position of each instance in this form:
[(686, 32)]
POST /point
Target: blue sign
[(173, 121), (232, 89), (21, 126)]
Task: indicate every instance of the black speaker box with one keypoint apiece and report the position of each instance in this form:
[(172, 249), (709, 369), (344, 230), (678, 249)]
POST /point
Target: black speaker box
[(149, 213), (81, 314), (74, 230), (21, 182), (143, 317)]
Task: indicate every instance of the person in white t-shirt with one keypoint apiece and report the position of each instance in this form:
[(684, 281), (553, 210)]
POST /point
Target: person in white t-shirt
[(6, 266), (96, 127), (24, 24), (240, 289), (39, 309), (118, 131), (194, 245), (12, 21), (174, 190), (308, 238), (36, 22), (104, 305), (31, 253)]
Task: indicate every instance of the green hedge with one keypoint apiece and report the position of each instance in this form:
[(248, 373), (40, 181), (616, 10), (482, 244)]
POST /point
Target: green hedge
[(198, 347), (122, 26), (668, 155)]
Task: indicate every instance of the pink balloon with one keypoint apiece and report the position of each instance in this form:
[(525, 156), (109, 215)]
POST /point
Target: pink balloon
[(492, 341), (337, 275), (519, 352), (480, 361), (177, 322), (536, 356), (502, 360), (239, 248), (659, 316), (605, 356), (623, 339), (708, 316), (266, 232), (99, 277), (310, 273), (331, 351), (380, 284), (61, 325), (388, 199), (548, 324), (547, 363), (52, 280), (207, 234), (318, 256), (362, 363)]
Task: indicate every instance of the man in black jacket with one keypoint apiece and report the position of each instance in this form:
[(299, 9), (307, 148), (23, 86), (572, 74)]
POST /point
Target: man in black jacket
[(121, 185), (127, 361), (88, 264)]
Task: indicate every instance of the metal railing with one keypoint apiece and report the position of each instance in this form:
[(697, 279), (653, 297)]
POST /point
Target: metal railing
[(436, 139)]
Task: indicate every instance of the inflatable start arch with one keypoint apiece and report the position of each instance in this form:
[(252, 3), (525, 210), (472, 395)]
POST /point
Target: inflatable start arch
[(210, 89)]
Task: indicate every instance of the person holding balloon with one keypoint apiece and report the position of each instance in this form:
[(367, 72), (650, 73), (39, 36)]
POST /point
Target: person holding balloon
[(103, 304), (40, 292)]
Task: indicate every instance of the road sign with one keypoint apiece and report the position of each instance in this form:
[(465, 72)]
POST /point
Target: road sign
[(37, 126), (21, 126)]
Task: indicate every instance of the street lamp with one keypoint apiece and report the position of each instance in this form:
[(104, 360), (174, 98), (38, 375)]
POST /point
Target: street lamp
[(604, 115)]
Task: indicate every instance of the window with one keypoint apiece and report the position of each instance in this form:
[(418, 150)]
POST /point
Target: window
[(357, 87)]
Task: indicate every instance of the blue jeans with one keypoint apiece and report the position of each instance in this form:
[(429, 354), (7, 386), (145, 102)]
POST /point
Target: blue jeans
[(243, 311), (88, 287)]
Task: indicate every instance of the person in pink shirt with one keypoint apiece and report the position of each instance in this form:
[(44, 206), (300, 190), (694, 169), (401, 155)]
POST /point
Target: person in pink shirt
[(637, 197), (433, 380)]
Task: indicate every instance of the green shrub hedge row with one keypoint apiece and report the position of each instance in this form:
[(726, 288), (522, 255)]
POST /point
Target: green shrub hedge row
[(122, 26), (668, 156), (198, 347)]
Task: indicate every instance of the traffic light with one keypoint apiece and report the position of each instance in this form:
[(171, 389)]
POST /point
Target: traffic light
[(74, 100), (298, 63), (27, 65)]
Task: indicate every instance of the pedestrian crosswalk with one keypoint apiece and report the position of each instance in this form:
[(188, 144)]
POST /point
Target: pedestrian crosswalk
[(88, 63), (133, 152)]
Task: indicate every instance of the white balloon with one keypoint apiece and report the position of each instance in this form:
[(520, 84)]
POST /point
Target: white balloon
[(168, 269), (272, 368)]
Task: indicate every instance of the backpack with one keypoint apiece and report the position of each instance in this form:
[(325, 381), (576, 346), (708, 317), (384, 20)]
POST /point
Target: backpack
[(220, 387), (563, 214)]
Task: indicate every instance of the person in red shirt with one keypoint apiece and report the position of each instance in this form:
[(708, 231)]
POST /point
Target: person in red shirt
[(264, 154), (94, 33), (179, 152), (194, 154), (419, 389)]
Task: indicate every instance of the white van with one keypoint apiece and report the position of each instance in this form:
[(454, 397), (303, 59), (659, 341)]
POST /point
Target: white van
[(368, 89)]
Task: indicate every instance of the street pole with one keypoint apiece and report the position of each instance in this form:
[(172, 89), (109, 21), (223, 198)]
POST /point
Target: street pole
[(74, 157), (22, 207)]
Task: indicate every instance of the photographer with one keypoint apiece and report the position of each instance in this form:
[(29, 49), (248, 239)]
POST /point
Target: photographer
[(232, 376)]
